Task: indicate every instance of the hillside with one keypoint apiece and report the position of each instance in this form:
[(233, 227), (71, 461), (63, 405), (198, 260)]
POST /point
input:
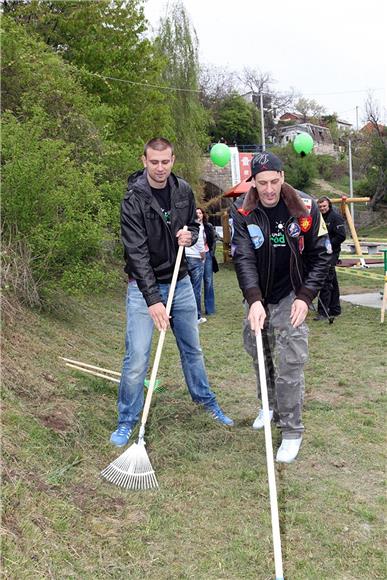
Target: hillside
[(211, 517)]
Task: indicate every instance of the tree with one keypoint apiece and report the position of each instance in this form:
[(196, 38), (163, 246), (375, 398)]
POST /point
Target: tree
[(299, 171), (52, 206), (105, 40), (216, 83), (374, 184), (237, 121), (178, 45), (309, 109), (275, 103)]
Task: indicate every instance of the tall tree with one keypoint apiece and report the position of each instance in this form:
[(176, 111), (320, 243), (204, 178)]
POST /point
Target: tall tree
[(216, 83), (237, 121), (376, 184), (52, 206), (309, 109), (275, 103), (178, 45), (106, 41)]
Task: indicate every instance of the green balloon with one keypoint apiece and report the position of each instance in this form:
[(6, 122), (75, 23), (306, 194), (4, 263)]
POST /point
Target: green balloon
[(303, 144), (220, 154)]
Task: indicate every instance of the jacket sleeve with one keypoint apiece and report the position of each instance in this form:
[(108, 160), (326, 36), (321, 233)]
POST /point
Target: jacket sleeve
[(211, 238), (337, 232), (134, 238), (192, 223), (244, 258), (316, 257)]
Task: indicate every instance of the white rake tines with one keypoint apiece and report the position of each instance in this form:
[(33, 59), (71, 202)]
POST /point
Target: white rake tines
[(132, 469)]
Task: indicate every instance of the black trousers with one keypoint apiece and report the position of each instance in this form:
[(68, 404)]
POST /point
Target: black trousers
[(330, 294)]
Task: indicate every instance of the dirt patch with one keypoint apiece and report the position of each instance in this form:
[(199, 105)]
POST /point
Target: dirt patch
[(58, 416)]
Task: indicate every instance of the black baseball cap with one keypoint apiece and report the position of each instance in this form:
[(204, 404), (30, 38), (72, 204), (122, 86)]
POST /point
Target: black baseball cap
[(265, 161)]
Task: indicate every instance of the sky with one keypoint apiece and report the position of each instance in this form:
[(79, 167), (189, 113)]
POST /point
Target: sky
[(332, 51)]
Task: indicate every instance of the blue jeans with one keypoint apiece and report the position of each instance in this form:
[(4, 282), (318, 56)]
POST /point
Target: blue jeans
[(195, 271), (139, 331), (208, 279)]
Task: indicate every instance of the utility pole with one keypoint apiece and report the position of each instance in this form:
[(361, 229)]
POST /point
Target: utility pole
[(262, 122), (350, 178), (357, 118)]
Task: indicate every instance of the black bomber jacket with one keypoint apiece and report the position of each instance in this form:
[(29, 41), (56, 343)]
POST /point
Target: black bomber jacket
[(306, 234), (150, 244)]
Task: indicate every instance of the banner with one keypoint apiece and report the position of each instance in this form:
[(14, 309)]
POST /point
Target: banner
[(235, 165), (244, 165)]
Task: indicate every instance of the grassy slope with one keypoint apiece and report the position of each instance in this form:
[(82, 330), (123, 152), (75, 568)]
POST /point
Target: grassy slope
[(211, 517)]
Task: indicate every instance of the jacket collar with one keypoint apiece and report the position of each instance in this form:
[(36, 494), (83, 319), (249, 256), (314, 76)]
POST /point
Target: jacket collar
[(292, 200), (139, 180)]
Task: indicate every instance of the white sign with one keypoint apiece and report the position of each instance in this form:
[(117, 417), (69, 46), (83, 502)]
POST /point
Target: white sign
[(235, 169)]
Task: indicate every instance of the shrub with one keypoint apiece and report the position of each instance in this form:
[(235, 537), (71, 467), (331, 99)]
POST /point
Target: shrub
[(49, 202)]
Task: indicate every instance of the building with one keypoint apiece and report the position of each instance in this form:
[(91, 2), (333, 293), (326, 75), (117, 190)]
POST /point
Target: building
[(323, 142)]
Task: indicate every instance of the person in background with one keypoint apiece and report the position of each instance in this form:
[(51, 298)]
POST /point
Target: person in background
[(195, 256), (208, 273), (328, 304), (280, 251), (156, 207)]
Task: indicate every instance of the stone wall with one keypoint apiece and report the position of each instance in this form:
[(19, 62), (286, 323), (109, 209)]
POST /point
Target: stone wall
[(218, 176)]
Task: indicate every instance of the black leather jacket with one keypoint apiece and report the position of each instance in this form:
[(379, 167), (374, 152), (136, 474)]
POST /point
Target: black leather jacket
[(150, 243), (336, 230), (309, 249)]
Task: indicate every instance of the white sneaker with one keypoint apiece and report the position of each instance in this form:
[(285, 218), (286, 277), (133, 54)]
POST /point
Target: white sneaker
[(289, 450), (259, 421), (201, 320)]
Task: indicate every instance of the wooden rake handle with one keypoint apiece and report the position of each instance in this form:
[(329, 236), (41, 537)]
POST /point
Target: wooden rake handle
[(156, 362)]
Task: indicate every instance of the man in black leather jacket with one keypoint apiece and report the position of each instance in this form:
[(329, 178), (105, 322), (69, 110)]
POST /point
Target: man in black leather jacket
[(280, 249), (156, 207), (329, 298)]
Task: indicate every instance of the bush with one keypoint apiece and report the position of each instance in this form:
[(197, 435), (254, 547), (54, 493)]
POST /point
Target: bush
[(49, 202), (299, 171)]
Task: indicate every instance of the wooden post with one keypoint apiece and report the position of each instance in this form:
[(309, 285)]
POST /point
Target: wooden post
[(384, 303), (345, 211), (226, 237)]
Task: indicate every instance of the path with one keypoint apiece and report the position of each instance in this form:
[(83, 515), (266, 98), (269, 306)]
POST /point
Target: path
[(329, 189)]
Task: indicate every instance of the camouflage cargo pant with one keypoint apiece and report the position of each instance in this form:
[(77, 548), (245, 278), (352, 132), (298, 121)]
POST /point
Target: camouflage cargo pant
[(286, 352)]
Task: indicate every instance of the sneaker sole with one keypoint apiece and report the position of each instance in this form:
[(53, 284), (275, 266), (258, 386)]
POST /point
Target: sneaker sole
[(119, 444)]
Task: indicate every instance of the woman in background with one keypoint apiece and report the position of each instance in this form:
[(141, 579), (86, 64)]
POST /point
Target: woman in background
[(209, 245)]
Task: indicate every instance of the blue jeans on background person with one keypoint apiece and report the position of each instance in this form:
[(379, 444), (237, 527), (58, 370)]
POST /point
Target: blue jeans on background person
[(195, 271), (138, 340), (208, 280)]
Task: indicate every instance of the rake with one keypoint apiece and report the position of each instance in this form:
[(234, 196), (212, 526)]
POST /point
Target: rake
[(107, 374), (133, 469), (279, 575)]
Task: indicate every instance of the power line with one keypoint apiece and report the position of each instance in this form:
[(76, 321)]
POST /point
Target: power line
[(165, 88), (145, 85)]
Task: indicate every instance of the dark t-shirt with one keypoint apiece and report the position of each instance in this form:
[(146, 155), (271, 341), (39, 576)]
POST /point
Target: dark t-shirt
[(282, 285), (163, 196)]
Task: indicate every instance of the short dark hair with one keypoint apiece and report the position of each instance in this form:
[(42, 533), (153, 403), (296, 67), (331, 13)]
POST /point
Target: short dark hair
[(325, 198), (159, 144)]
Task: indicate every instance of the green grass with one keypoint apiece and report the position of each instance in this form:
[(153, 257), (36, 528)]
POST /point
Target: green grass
[(211, 517)]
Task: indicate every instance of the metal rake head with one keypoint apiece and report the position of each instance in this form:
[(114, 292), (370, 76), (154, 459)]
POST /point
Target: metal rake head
[(132, 470)]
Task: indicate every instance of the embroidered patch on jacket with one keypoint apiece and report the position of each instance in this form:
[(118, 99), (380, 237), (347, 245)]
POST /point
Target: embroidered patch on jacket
[(301, 244), (243, 211), (307, 203), (305, 223), (294, 230), (322, 230), (256, 235)]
